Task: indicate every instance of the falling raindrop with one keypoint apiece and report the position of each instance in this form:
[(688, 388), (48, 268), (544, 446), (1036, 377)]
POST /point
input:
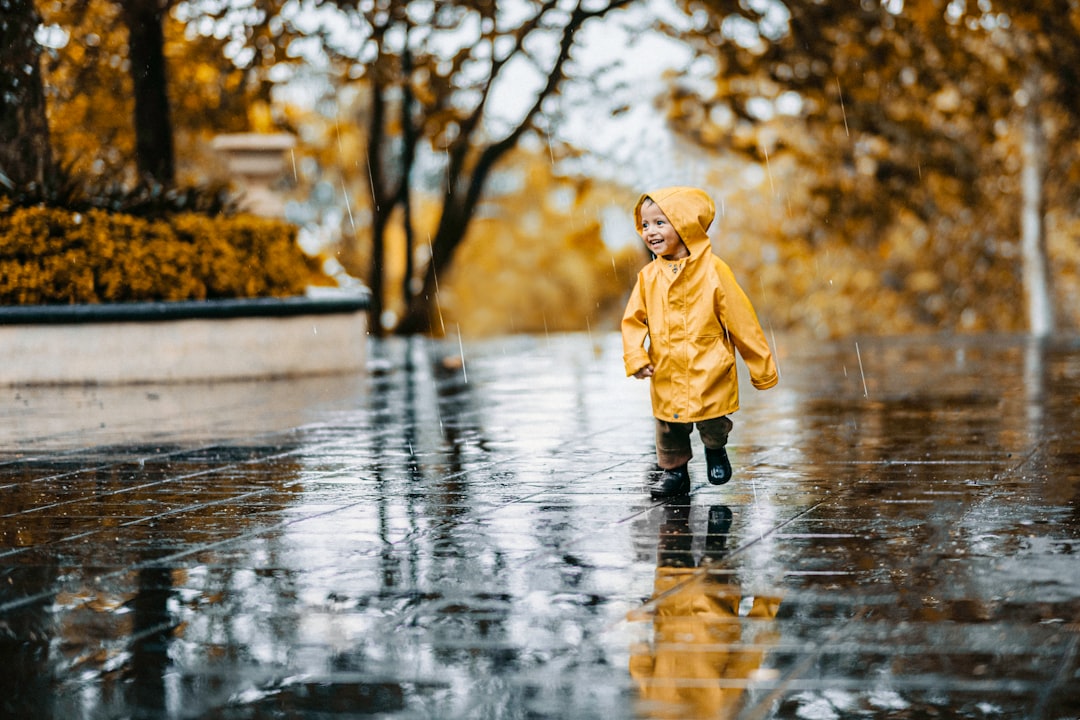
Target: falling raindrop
[(435, 276), (371, 182), (461, 349), (348, 206), (547, 136), (772, 332), (863, 374), (768, 170), (295, 175), (842, 110)]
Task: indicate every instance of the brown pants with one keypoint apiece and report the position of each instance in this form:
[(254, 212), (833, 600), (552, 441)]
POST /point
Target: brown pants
[(673, 439)]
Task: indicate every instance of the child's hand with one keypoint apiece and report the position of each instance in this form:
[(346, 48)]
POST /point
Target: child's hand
[(645, 372)]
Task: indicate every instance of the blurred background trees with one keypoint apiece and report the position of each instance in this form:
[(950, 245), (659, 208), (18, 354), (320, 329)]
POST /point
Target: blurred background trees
[(921, 132), (880, 166)]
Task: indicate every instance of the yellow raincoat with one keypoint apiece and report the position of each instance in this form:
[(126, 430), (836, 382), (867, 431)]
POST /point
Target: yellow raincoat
[(694, 315), (699, 661)]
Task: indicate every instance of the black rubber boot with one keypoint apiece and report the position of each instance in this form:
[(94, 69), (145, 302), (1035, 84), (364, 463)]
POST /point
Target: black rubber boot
[(671, 483), (675, 540), (719, 525), (719, 465)]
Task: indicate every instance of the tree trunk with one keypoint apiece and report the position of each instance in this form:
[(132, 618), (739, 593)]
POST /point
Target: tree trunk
[(153, 122), (410, 137), (1036, 272), (376, 274), (25, 152), (380, 209), (420, 312)]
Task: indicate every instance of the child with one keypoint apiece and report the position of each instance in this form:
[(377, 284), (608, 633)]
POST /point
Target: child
[(694, 315)]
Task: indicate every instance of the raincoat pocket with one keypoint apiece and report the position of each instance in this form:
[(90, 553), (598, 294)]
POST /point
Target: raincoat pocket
[(713, 363)]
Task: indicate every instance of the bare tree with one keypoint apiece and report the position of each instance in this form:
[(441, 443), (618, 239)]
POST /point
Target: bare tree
[(442, 98)]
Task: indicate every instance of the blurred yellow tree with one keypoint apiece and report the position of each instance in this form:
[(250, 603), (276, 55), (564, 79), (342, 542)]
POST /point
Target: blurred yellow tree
[(920, 140), (91, 92), (534, 260)]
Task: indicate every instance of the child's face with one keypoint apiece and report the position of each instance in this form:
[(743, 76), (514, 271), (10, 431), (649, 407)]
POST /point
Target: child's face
[(659, 234)]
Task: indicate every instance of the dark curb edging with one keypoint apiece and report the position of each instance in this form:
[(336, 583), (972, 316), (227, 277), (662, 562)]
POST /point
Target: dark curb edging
[(183, 310)]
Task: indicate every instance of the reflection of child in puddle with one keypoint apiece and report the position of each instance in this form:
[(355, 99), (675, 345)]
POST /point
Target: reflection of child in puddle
[(698, 660)]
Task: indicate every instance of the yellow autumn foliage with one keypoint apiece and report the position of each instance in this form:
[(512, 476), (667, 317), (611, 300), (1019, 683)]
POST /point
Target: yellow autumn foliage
[(535, 260), (50, 255)]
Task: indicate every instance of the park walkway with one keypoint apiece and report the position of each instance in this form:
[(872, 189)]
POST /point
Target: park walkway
[(463, 533)]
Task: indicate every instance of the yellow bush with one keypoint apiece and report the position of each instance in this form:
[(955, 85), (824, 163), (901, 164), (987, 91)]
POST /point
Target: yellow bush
[(49, 255)]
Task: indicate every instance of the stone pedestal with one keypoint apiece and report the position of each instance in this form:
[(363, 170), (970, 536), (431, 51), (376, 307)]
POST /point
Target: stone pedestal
[(255, 162)]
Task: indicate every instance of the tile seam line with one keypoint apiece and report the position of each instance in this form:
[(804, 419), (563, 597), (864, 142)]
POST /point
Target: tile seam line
[(95, 449), (520, 499), (1060, 676), (15, 604), (1024, 460), (235, 464), (141, 460), (255, 533), (700, 572), (762, 708), (143, 486), (112, 493), (651, 506)]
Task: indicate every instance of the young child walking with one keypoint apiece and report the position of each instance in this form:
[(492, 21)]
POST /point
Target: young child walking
[(692, 313)]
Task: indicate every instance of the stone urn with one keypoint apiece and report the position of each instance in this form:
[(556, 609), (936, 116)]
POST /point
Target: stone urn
[(256, 162)]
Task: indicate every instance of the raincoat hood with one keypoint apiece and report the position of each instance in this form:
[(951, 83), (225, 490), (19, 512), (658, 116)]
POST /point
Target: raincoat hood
[(690, 211)]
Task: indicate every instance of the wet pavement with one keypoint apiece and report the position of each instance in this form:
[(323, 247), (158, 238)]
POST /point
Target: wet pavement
[(468, 536)]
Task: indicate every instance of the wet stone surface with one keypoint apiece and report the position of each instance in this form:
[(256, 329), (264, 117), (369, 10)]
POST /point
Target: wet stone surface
[(448, 539)]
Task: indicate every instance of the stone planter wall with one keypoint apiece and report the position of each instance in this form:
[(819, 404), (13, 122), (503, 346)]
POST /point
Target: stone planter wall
[(182, 341)]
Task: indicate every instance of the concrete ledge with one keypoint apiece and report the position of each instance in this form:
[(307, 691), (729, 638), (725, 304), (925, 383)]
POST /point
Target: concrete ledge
[(182, 341)]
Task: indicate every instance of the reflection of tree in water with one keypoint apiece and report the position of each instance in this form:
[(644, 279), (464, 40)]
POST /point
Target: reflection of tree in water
[(107, 620), (707, 638), (26, 635), (440, 571)]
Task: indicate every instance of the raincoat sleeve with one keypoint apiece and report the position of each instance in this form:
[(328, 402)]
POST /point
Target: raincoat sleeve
[(738, 317), (635, 330)]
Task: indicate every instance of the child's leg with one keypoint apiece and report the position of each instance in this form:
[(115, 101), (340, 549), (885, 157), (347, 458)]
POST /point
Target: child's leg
[(714, 435), (672, 444)]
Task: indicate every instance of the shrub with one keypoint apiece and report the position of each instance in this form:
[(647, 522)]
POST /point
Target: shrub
[(49, 255)]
